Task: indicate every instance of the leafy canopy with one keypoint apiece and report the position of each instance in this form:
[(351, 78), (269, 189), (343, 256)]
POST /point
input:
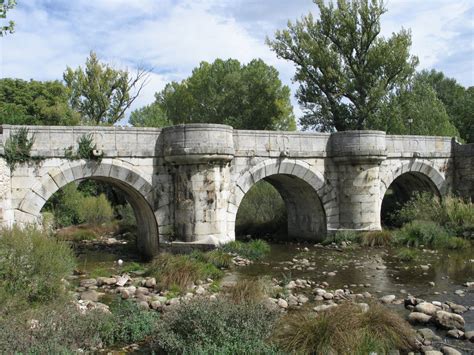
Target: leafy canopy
[(458, 101), (345, 68), (247, 96), (5, 6), (35, 103), (416, 102), (100, 93)]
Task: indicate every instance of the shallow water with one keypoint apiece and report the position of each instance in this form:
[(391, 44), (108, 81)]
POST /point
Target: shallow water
[(376, 270)]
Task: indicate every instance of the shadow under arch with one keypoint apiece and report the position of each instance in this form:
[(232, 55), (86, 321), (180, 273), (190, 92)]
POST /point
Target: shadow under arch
[(404, 183), (128, 179), (304, 192)]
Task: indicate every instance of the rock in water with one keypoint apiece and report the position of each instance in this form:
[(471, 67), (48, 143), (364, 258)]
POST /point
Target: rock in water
[(448, 320)]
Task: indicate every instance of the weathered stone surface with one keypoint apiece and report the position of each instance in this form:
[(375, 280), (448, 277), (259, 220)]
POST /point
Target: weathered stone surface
[(187, 181), (418, 317), (448, 320), (427, 308)]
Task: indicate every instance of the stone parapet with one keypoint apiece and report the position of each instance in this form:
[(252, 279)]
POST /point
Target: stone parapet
[(358, 146), (197, 143)]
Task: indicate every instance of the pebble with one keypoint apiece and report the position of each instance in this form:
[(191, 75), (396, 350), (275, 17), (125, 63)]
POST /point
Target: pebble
[(282, 303), (388, 299)]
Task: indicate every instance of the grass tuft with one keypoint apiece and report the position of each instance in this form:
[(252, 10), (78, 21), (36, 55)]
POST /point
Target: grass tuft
[(253, 250), (181, 270), (344, 329), (253, 290), (376, 238)]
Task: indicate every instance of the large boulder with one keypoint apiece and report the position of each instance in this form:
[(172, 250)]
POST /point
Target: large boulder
[(418, 318), (427, 308), (448, 320)]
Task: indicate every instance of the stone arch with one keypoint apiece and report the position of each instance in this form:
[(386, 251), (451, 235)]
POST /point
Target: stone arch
[(403, 182), (420, 169), (294, 179), (130, 180)]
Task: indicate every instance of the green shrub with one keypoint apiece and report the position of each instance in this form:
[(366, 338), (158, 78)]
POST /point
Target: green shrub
[(453, 213), (376, 238), (456, 243), (427, 233), (62, 329), (407, 254), (32, 265), (181, 270), (128, 324), (95, 210), (132, 267), (17, 147), (344, 329), (65, 204), (253, 250), (205, 327)]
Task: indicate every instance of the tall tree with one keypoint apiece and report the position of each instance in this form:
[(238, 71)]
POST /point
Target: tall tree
[(149, 116), (5, 6), (459, 102), (414, 109), (35, 103), (344, 67), (247, 96), (100, 93)]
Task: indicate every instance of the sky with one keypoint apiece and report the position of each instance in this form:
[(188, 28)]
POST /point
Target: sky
[(171, 37)]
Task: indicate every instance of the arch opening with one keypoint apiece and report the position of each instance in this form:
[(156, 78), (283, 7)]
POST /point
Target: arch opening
[(300, 212), (400, 191), (127, 180)]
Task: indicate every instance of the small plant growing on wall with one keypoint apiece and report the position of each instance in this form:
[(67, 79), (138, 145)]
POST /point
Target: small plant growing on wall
[(86, 149), (18, 147)]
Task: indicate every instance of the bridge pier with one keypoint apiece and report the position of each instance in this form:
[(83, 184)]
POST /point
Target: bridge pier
[(358, 155)]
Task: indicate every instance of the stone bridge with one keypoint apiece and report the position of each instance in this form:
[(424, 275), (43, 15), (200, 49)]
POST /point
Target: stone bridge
[(186, 182)]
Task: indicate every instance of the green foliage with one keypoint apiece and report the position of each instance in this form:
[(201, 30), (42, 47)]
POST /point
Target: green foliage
[(61, 329), (181, 270), (149, 116), (35, 103), (86, 147), (5, 6), (453, 213), (100, 93), (419, 103), (342, 236), (376, 238), (344, 327), (429, 234), (253, 250), (32, 265), (95, 210), (407, 254), (65, 205), (18, 147), (132, 267), (203, 327), (458, 101), (345, 69), (261, 211), (216, 257), (128, 324), (247, 96), (71, 207)]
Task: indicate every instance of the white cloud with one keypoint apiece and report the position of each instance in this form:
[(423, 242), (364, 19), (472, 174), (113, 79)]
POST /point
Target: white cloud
[(174, 36)]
